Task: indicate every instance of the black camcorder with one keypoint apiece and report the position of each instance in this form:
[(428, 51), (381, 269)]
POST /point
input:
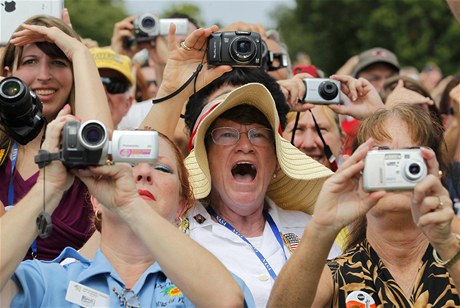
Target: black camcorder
[(20, 110)]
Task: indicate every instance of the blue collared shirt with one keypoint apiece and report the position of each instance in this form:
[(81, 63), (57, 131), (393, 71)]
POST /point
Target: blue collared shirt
[(44, 284)]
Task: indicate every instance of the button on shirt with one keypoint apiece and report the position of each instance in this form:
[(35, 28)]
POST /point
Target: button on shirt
[(239, 257)]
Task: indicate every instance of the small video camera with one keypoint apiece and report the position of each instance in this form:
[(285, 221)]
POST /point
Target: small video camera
[(393, 169), (148, 26), (235, 48), (20, 110), (321, 91), (87, 144)]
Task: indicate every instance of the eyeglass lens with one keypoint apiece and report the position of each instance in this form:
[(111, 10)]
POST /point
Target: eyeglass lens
[(229, 135)]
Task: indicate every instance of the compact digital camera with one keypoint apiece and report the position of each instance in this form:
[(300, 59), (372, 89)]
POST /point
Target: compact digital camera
[(148, 26), (393, 169), (235, 48), (87, 144), (321, 91), (20, 110)]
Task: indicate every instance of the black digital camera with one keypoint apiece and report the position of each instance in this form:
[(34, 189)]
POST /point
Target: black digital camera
[(88, 144), (148, 26), (235, 48), (20, 110)]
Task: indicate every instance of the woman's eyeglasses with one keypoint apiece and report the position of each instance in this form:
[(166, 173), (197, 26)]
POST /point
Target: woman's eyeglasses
[(115, 85), (260, 136)]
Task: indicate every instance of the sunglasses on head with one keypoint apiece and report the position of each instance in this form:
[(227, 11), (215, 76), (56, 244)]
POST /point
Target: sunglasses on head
[(115, 85)]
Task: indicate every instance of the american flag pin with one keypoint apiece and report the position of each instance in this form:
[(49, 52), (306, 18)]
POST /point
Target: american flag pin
[(291, 240)]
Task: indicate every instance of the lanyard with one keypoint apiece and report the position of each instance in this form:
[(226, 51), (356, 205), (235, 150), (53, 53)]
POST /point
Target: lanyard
[(272, 225), (14, 158)]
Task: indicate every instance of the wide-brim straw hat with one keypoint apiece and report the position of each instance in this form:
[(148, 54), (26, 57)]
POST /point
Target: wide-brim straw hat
[(454, 6), (298, 180)]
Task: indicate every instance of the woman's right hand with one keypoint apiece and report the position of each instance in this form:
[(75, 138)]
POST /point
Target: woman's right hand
[(182, 63), (55, 174), (33, 33), (342, 198)]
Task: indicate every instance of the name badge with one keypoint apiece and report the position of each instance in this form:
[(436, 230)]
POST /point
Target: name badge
[(85, 297)]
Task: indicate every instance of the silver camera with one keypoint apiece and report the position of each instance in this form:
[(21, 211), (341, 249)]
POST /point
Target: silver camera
[(393, 169), (87, 144), (321, 91)]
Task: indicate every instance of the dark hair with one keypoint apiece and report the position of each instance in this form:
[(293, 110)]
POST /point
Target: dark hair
[(422, 129), (444, 103), (237, 77)]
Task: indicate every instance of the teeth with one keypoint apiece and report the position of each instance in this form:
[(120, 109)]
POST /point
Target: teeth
[(45, 92)]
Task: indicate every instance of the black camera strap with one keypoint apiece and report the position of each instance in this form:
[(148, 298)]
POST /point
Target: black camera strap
[(182, 87)]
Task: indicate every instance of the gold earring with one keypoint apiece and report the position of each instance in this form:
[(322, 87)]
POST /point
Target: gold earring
[(98, 215), (184, 225)]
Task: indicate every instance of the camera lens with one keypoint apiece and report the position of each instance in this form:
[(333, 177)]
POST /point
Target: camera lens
[(11, 88), (148, 22), (92, 135), (243, 49), (414, 168), (328, 90)]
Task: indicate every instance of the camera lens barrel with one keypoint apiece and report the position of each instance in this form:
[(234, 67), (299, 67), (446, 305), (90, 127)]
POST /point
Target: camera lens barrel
[(92, 135), (328, 90), (243, 49), (413, 170)]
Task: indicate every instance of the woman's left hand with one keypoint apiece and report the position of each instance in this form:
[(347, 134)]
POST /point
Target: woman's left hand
[(294, 91), (113, 186), (431, 205), (33, 33)]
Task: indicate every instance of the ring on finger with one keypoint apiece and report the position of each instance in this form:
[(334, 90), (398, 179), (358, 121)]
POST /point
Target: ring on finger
[(183, 45), (441, 203)]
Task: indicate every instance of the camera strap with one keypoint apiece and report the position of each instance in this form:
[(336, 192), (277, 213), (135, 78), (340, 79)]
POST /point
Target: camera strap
[(182, 87), (44, 158)]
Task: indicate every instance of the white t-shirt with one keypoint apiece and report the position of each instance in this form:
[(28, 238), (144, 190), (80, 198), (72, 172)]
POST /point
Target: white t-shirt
[(135, 115), (239, 257)]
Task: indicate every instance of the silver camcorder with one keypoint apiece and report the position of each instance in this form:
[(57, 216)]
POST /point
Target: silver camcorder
[(87, 144), (321, 91), (149, 26), (393, 169)]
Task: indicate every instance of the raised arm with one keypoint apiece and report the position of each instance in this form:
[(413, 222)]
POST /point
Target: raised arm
[(303, 281), (194, 270), (181, 64), (90, 99), (17, 226)]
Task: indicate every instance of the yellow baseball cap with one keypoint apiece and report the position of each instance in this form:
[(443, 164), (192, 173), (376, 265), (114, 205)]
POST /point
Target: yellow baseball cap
[(107, 58)]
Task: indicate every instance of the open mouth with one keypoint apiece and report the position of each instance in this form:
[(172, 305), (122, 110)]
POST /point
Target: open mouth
[(244, 172)]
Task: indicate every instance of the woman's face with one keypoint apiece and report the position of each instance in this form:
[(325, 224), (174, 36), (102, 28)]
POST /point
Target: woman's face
[(240, 172), (307, 139), (160, 182), (51, 79)]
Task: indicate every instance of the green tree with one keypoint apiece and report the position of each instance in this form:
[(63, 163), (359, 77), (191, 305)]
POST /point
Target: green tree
[(95, 18), (331, 31)]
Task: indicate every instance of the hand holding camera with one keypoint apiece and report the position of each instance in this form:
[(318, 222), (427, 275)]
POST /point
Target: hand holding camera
[(147, 27)]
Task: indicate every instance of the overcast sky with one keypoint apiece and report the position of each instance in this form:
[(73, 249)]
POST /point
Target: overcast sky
[(212, 11)]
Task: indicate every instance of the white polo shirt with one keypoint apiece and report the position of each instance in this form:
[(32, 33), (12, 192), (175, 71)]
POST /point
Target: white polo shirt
[(239, 257)]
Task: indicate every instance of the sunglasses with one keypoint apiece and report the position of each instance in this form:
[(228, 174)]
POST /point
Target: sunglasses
[(115, 85)]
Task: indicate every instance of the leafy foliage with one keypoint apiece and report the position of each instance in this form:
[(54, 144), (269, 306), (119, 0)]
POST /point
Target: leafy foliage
[(95, 19), (331, 31)]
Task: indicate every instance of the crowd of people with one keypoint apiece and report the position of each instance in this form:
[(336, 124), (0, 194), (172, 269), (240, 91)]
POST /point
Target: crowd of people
[(255, 197)]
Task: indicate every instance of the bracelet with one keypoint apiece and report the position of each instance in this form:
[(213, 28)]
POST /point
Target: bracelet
[(452, 260)]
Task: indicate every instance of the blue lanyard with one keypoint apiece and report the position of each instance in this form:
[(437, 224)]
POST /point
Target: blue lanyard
[(14, 158), (272, 225)]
